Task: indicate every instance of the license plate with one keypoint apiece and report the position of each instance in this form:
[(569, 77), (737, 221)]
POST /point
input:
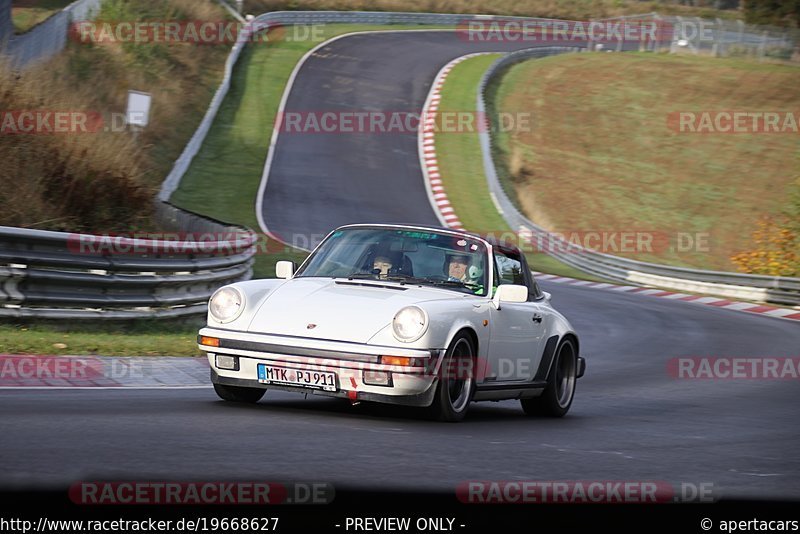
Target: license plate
[(270, 374)]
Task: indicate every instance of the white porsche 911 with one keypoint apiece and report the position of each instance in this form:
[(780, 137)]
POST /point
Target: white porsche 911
[(399, 314)]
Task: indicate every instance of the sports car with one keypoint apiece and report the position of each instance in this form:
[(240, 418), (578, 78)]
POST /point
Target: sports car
[(401, 314)]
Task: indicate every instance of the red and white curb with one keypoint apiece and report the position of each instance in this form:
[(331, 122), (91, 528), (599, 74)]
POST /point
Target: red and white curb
[(772, 311), (427, 148), (448, 217)]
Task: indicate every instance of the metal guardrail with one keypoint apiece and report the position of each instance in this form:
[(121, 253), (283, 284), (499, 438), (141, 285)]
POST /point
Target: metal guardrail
[(264, 21), (779, 290), (47, 275), (267, 20), (48, 38), (58, 275)]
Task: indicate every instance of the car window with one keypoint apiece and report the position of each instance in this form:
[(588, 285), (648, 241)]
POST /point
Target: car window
[(445, 260), (508, 269)]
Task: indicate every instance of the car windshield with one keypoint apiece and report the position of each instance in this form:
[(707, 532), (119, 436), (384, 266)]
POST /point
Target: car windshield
[(407, 256)]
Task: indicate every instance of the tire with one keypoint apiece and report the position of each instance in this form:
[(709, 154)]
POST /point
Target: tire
[(239, 394), (556, 399), (456, 384)]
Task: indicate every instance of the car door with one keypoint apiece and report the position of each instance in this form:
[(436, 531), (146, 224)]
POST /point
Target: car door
[(518, 329)]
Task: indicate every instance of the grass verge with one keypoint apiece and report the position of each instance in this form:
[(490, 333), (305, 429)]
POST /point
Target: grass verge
[(572, 9), (223, 179), (142, 341), (102, 178), (29, 14), (603, 155), (461, 165)]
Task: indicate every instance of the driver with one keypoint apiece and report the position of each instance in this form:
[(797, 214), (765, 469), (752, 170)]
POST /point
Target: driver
[(386, 261), (382, 264), (459, 270), (457, 267)]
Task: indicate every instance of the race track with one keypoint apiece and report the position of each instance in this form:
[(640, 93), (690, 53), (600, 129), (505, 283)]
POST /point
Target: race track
[(630, 420), (318, 181)]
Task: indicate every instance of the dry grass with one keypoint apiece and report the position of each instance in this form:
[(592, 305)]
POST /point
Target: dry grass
[(601, 155), (105, 181), (25, 14), (563, 9)]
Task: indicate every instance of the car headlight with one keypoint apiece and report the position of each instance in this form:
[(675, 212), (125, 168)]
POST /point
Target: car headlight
[(226, 304), (409, 324)]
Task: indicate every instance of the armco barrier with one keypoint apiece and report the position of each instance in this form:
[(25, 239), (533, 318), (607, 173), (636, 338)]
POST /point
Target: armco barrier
[(46, 274), (778, 290), (57, 275), (264, 22), (48, 38)]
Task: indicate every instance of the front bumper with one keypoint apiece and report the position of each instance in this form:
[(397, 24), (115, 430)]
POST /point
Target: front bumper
[(409, 385)]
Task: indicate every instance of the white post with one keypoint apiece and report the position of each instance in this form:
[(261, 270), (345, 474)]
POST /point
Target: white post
[(762, 46), (716, 47)]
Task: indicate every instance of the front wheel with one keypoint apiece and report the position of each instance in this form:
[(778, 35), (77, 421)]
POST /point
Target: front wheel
[(239, 394), (556, 399), (456, 381)]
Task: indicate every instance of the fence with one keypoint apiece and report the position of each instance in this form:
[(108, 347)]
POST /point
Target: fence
[(716, 37), (779, 290)]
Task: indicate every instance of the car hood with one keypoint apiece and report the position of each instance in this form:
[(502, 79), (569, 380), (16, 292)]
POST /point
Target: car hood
[(339, 309)]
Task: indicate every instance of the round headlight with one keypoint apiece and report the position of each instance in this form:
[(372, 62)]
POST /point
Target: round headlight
[(226, 304), (409, 324)]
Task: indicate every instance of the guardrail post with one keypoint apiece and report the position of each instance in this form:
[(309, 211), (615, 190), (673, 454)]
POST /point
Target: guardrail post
[(762, 46), (716, 48), (6, 24)]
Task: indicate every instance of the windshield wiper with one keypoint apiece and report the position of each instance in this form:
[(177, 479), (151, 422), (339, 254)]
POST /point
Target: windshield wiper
[(362, 276), (402, 278), (453, 283)]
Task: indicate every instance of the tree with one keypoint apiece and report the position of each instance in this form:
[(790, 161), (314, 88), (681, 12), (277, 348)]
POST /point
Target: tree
[(774, 12)]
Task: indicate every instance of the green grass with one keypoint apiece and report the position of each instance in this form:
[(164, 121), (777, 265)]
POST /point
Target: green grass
[(461, 165), (222, 183), (151, 341), (25, 18), (224, 177)]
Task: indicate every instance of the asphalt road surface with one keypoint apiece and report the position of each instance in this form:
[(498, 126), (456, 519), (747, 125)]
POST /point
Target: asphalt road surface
[(318, 181), (631, 420)]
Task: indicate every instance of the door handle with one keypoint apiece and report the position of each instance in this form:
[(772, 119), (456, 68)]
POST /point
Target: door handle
[(537, 318)]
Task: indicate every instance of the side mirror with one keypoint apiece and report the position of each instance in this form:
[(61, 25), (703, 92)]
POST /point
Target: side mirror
[(547, 296), (510, 293), (284, 269)]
